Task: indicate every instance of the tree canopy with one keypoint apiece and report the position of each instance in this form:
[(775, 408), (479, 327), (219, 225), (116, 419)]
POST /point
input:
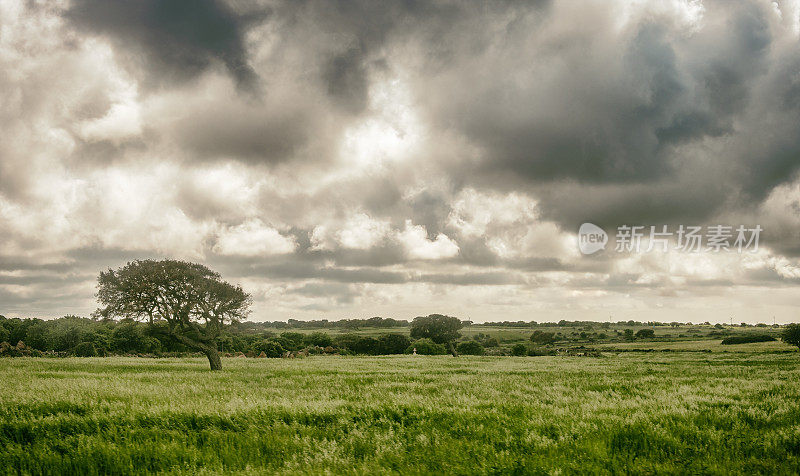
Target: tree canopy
[(186, 300), (438, 328)]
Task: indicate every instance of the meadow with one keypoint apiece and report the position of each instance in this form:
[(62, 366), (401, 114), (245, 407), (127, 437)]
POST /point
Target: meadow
[(627, 412)]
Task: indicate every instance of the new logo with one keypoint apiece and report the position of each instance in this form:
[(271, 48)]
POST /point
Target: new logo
[(591, 238)]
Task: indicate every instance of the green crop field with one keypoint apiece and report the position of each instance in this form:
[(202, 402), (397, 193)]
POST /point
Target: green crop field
[(628, 412)]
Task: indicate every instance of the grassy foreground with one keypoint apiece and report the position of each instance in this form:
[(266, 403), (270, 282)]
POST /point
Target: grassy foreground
[(627, 413)]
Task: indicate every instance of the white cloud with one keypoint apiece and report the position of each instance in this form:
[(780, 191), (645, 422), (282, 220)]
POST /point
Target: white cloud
[(253, 238), (414, 239), (360, 232), (473, 212)]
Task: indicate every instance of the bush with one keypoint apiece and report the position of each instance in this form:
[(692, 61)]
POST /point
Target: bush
[(292, 340), (85, 349), (541, 351), (286, 344), (270, 348), (346, 341), (319, 339), (426, 347), (645, 334), (747, 339), (470, 348), (540, 337), (365, 345), (393, 344), (519, 350), (791, 334)]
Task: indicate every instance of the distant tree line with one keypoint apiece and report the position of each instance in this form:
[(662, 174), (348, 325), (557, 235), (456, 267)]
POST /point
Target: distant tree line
[(80, 336), (85, 337), (378, 322)]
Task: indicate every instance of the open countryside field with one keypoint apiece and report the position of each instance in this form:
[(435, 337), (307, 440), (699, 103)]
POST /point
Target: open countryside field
[(639, 413)]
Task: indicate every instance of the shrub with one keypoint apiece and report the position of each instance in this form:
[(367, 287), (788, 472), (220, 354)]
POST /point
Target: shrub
[(393, 344), (491, 342), (645, 334), (791, 334), (319, 339), (747, 339), (541, 351), (628, 334), (346, 341), (292, 340), (286, 343), (426, 347), (540, 337), (519, 350), (85, 349), (470, 348), (270, 348), (365, 345)]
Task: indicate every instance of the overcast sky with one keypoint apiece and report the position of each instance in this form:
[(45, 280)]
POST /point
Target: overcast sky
[(350, 159)]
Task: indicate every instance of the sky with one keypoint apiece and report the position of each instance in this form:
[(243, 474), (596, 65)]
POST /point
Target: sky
[(349, 159)]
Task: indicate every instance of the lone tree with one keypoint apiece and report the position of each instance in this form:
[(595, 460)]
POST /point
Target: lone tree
[(791, 334), (186, 301), (438, 328)]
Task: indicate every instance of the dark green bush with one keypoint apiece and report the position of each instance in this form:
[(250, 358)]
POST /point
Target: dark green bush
[(85, 349), (426, 347), (292, 340), (645, 333), (543, 338), (346, 341), (747, 339), (319, 339), (541, 351), (791, 334), (357, 344), (470, 348), (519, 350), (270, 348), (393, 344), (365, 345)]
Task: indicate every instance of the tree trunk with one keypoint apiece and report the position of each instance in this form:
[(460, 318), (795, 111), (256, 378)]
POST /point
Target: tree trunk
[(452, 349), (208, 348), (213, 358)]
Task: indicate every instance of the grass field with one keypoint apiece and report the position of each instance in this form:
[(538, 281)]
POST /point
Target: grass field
[(680, 412)]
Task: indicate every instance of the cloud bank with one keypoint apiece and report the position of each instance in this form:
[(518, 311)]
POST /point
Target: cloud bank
[(354, 158)]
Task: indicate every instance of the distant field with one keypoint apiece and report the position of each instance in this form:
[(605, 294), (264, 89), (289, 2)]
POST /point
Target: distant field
[(710, 345), (709, 413)]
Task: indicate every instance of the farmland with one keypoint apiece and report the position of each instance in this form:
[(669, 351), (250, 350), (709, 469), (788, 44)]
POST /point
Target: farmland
[(716, 412)]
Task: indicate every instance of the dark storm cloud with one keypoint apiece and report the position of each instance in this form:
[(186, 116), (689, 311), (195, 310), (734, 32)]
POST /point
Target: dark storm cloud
[(466, 279), (544, 100), (612, 125), (339, 292), (8, 263), (347, 80), (180, 38)]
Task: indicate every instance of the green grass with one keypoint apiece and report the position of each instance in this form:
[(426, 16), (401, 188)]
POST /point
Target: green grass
[(685, 413), (706, 345)]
